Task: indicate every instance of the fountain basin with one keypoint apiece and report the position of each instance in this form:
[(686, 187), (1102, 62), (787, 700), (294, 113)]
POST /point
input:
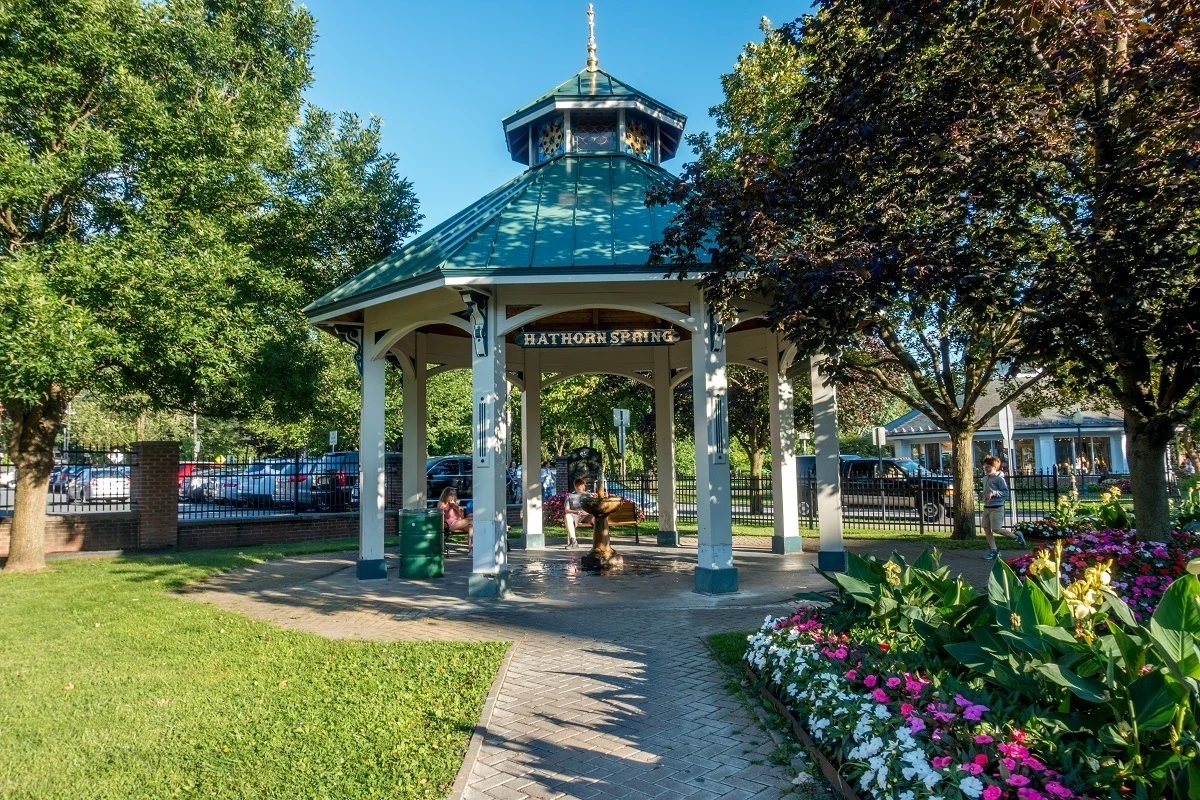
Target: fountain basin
[(601, 557)]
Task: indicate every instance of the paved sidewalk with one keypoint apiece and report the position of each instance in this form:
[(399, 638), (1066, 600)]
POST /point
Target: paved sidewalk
[(610, 691)]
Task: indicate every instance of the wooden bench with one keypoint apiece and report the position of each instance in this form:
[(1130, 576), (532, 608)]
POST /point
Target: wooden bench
[(624, 517)]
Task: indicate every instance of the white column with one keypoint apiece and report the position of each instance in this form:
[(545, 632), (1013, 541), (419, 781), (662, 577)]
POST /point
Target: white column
[(664, 442), (371, 563), (715, 573), (784, 487), (1045, 452), (832, 555), (489, 575), (415, 431), (531, 450)]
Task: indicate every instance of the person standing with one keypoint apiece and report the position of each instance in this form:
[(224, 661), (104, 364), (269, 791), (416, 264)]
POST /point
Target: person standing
[(547, 478), (995, 492)]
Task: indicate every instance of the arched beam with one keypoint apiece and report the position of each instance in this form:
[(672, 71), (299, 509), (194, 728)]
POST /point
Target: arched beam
[(392, 336), (562, 376), (548, 310)]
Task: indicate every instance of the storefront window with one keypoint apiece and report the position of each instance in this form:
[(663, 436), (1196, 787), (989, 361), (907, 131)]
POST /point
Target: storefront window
[(1025, 451)]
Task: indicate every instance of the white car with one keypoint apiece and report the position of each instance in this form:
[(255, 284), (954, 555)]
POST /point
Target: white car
[(100, 483), (8, 477)]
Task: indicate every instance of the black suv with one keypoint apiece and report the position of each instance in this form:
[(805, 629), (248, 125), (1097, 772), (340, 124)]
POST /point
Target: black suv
[(449, 472), (903, 483)]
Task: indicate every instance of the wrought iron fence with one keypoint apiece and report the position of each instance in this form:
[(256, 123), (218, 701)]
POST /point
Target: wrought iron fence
[(82, 481), (248, 486)]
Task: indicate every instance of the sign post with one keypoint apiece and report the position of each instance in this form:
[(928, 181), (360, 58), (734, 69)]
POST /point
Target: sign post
[(879, 438), (621, 422), (332, 441), (1005, 419)]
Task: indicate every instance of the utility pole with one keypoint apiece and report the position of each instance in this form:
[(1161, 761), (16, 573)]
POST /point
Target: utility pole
[(195, 437)]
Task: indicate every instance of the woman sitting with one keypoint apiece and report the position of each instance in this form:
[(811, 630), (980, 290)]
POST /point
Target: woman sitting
[(454, 518)]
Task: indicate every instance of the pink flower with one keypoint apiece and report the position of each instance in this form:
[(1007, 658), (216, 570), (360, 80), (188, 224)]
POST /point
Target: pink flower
[(974, 712), (940, 762), (893, 682), (1018, 780), (906, 709), (1018, 736), (1010, 764), (1058, 790), (936, 735), (1030, 794), (971, 768), (916, 724), (1033, 764), (870, 681), (1013, 750), (991, 793), (981, 759), (880, 696), (962, 701), (851, 675), (983, 738)]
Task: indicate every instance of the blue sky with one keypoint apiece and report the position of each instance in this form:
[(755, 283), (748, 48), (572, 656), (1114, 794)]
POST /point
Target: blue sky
[(443, 74)]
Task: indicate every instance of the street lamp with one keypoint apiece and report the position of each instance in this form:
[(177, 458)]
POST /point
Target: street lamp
[(1077, 418)]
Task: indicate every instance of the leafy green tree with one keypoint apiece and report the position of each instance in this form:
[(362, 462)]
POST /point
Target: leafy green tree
[(141, 145), (859, 218)]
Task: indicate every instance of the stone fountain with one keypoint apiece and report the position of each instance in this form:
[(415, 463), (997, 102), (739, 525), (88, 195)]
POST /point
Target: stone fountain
[(601, 506)]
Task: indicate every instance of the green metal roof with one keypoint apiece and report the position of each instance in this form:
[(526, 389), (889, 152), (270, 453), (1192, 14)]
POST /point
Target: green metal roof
[(598, 85), (581, 213)]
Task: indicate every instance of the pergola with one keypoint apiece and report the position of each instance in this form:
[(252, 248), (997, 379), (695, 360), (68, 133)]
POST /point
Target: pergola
[(546, 278)]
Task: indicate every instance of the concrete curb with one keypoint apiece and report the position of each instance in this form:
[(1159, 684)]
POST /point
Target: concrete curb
[(477, 736)]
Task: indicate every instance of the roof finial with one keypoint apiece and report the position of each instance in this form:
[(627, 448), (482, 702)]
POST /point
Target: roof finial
[(592, 63)]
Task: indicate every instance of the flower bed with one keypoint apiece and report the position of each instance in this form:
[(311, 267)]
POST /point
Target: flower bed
[(1050, 529), (1141, 570), (902, 733), (918, 686)]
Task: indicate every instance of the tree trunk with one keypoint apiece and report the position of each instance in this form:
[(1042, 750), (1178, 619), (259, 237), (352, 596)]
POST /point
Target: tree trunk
[(962, 468), (756, 481), (32, 450), (1147, 442)]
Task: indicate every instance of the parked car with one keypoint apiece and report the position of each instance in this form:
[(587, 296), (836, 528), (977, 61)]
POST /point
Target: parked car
[(903, 483), (61, 476), (99, 483), (221, 485), (332, 483), (256, 486), (8, 476), (644, 500), (186, 470), (199, 485), (449, 472)]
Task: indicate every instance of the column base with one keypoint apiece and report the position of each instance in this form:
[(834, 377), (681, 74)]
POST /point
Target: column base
[(786, 544), (371, 569), (716, 581), (668, 538), (831, 560), (531, 541), (488, 584)]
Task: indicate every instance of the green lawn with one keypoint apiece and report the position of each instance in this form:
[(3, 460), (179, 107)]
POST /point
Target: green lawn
[(729, 648), (111, 687)]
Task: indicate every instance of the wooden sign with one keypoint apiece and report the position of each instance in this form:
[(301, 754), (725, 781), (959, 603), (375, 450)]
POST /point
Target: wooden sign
[(617, 338)]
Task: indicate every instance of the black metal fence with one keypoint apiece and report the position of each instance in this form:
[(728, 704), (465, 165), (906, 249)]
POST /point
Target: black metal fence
[(82, 481), (919, 501), (242, 486)]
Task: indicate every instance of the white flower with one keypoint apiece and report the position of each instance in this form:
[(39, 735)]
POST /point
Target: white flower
[(971, 786), (908, 795), (931, 779)]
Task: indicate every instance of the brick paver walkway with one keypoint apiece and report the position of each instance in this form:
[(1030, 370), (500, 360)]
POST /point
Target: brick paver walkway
[(609, 691)]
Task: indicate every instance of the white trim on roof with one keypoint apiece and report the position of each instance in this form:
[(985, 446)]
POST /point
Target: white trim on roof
[(436, 282), (626, 101)]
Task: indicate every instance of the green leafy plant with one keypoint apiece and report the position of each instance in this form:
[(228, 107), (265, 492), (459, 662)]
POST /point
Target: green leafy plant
[(1186, 512)]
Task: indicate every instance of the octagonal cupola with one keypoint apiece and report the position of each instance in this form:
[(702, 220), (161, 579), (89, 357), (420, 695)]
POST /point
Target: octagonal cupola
[(593, 112)]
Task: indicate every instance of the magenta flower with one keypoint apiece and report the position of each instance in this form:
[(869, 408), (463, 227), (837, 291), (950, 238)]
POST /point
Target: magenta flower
[(1058, 790), (870, 681), (893, 682), (971, 768), (1017, 780), (983, 738), (906, 709), (940, 762), (880, 696), (916, 724), (851, 675), (974, 712), (991, 793)]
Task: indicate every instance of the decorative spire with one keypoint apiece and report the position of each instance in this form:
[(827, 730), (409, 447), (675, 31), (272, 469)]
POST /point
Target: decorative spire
[(592, 63)]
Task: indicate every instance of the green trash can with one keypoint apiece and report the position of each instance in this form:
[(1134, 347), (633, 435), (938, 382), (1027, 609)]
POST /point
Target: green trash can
[(421, 547)]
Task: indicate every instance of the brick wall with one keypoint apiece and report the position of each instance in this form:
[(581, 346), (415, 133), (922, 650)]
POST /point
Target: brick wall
[(154, 492), (200, 534), (561, 486), (393, 475), (79, 532)]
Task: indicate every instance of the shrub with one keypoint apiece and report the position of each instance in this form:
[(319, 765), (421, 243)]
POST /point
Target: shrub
[(1050, 685)]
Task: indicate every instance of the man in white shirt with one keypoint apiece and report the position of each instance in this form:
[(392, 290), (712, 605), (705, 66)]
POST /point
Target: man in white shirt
[(573, 513)]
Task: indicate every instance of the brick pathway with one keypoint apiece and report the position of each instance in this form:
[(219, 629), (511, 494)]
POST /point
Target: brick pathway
[(609, 690)]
